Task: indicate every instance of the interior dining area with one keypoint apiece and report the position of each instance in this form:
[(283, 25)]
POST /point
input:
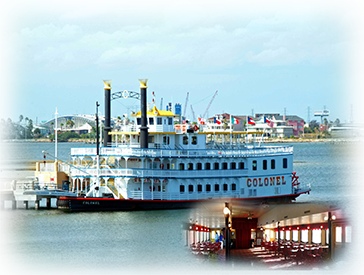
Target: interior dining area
[(272, 236)]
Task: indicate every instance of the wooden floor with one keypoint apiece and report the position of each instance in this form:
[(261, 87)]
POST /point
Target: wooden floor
[(260, 258)]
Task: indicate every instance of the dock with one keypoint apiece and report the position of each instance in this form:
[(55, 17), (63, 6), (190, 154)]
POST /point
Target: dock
[(24, 193)]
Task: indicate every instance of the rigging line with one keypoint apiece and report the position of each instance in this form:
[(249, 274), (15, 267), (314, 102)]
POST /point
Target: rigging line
[(202, 99)]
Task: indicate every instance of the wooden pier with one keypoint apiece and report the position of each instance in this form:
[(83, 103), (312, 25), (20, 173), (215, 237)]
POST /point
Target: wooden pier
[(26, 193)]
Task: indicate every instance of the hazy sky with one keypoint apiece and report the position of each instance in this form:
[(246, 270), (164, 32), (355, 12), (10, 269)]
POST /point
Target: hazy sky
[(260, 55)]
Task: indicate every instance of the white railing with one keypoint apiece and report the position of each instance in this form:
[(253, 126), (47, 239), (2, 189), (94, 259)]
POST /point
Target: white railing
[(138, 152), (158, 173), (148, 195)]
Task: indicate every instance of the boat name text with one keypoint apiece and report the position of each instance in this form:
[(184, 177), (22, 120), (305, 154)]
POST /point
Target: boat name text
[(268, 181)]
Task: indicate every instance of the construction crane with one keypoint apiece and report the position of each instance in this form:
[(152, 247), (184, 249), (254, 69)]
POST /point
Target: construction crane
[(184, 113), (193, 113), (208, 106)]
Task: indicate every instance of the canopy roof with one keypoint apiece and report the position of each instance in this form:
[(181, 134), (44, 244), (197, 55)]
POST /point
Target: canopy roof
[(155, 112)]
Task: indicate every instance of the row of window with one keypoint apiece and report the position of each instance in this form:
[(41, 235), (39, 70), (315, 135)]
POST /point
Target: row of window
[(316, 235), (199, 188), (159, 121), (272, 164), (212, 166)]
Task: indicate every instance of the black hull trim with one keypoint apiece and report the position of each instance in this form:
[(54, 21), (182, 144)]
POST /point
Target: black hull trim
[(107, 204)]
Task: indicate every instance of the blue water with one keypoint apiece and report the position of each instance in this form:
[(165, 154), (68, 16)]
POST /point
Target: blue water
[(144, 241)]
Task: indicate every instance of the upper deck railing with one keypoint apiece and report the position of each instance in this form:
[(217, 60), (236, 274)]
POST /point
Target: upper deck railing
[(197, 153)]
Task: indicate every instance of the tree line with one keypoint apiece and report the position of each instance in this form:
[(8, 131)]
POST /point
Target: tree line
[(21, 129)]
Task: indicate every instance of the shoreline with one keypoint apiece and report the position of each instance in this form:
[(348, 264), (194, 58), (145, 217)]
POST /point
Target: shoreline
[(273, 140)]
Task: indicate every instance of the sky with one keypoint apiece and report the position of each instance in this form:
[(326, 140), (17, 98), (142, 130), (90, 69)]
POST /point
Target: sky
[(261, 56)]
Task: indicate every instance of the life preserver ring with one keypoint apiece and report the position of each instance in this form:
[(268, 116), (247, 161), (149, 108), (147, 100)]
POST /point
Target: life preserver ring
[(161, 166), (195, 127)]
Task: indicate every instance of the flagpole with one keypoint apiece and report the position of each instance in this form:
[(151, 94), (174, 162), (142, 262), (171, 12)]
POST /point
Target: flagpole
[(231, 130)]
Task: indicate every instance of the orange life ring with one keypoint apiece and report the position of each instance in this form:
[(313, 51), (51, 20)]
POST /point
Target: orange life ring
[(161, 166)]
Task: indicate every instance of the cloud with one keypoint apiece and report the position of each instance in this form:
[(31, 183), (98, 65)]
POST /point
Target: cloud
[(266, 41), (85, 12)]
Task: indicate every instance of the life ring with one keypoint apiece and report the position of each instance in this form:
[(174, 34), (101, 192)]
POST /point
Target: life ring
[(161, 166)]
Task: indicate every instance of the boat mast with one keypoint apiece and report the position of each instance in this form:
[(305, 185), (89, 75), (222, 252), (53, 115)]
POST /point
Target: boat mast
[(97, 149)]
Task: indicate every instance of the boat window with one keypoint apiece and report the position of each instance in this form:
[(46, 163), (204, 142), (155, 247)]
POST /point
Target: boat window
[(151, 121), (224, 165), (166, 140), (285, 163), (241, 165), (273, 164), (348, 234), (199, 188), (170, 121), (190, 188), (217, 188), (208, 187), (207, 166), (185, 140), (316, 235), (139, 121), (182, 188), (254, 165), (338, 233), (225, 187), (288, 235), (295, 235), (199, 166), (194, 140), (233, 165), (304, 236), (216, 166), (265, 164), (159, 121), (150, 139), (233, 186), (190, 166), (181, 166)]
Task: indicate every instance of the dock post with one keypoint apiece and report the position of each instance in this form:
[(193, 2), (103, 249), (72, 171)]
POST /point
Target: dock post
[(13, 204), (49, 202), (36, 205)]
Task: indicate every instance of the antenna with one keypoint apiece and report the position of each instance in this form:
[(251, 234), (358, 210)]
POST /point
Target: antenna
[(161, 106)]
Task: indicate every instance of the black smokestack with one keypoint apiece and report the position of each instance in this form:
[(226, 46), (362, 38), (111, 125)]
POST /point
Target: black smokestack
[(107, 128), (143, 107)]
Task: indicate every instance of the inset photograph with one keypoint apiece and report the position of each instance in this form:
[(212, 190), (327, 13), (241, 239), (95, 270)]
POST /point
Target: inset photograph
[(269, 236)]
